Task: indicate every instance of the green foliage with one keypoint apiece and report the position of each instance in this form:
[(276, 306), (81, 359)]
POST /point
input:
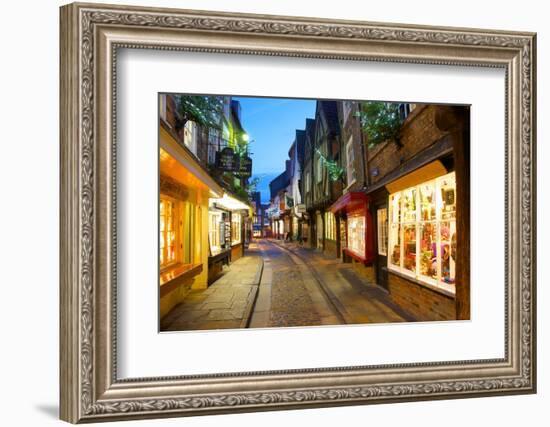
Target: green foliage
[(203, 110), (240, 146), (241, 193), (335, 171), (253, 185), (245, 193), (380, 121)]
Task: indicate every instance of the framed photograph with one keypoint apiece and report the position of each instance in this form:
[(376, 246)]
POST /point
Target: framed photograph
[(268, 212)]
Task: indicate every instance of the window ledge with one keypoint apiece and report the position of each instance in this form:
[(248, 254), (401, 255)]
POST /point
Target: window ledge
[(448, 292), (179, 271), (356, 256)]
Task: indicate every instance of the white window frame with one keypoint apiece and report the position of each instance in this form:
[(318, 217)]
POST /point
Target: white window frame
[(357, 246), (190, 129), (236, 222), (319, 168), (214, 237), (418, 222), (382, 230)]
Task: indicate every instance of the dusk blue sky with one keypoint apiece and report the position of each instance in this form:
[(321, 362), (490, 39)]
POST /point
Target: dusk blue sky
[(271, 124)]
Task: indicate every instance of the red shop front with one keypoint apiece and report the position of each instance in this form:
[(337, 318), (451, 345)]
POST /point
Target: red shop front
[(356, 237)]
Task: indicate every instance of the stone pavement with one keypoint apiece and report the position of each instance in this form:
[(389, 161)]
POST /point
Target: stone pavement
[(225, 304), (355, 299)]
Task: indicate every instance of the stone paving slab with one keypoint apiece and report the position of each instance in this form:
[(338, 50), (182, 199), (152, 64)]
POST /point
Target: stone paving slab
[(225, 304)]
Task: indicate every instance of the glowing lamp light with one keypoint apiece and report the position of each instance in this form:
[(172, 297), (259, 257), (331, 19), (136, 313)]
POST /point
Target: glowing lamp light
[(230, 203)]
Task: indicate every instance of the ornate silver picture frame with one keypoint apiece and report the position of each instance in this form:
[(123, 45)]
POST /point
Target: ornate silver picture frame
[(91, 390)]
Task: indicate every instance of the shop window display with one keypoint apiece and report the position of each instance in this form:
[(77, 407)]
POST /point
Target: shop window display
[(422, 238), (330, 226), (235, 228), (215, 231), (167, 241), (356, 234), (382, 221)]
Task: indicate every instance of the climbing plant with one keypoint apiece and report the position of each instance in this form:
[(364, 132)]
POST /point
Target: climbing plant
[(203, 110), (380, 121), (335, 171)]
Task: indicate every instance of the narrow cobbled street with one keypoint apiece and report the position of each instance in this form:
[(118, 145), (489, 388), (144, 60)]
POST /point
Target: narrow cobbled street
[(308, 288), (280, 284)]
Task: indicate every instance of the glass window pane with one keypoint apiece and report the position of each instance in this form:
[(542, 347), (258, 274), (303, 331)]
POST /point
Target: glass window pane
[(395, 208), (382, 220), (428, 252), (448, 251), (356, 234), (427, 201), (409, 247), (409, 205), (395, 239), (447, 184)]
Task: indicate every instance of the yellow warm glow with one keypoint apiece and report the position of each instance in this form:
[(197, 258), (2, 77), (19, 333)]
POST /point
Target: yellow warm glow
[(229, 203)]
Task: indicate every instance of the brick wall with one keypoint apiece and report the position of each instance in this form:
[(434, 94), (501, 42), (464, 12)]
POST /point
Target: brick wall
[(419, 132), (351, 128), (236, 252), (364, 271), (330, 248), (420, 301)]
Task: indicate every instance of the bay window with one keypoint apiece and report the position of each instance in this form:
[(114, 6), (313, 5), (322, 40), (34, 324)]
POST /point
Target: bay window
[(422, 231)]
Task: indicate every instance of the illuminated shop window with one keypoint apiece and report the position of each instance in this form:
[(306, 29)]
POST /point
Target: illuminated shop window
[(168, 223), (382, 225), (176, 232), (235, 228), (356, 234), (215, 225), (330, 226), (422, 231)]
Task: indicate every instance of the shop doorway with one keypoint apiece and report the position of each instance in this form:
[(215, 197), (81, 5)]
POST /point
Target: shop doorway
[(381, 236), (319, 230)]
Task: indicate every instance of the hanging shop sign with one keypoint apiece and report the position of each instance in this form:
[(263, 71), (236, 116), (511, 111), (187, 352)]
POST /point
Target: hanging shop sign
[(229, 161), (226, 160), (244, 166)]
